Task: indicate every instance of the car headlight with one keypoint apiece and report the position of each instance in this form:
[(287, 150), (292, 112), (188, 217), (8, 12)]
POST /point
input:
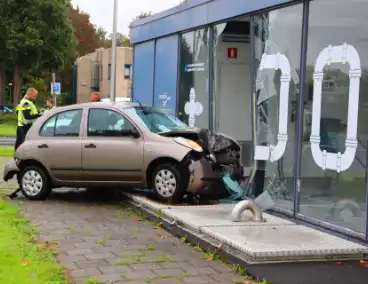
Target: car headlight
[(188, 143)]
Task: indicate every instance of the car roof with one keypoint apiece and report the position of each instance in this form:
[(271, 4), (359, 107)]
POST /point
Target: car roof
[(118, 105)]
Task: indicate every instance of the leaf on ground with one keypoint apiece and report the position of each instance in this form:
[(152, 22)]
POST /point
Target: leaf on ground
[(25, 263)]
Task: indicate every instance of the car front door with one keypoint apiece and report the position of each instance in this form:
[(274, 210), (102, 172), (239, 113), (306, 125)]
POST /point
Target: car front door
[(107, 154), (59, 145)]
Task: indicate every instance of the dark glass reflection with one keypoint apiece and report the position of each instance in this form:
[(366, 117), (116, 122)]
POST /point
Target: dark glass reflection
[(337, 198), (193, 84)]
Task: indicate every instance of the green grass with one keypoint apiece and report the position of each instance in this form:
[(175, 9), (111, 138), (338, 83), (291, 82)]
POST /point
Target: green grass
[(6, 151), (8, 125), (22, 259)]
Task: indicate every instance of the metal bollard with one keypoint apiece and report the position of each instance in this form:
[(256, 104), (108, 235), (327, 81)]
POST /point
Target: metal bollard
[(246, 205)]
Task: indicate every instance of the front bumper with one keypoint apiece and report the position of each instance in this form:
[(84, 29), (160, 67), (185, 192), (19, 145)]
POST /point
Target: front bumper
[(200, 174), (10, 170)]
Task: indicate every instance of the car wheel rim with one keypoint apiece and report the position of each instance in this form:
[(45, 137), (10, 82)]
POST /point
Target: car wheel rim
[(32, 183), (165, 183)]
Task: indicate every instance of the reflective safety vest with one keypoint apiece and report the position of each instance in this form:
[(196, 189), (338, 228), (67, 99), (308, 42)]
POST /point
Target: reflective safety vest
[(21, 107), (49, 108)]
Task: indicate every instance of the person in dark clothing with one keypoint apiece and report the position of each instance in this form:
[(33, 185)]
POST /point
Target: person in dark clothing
[(27, 113)]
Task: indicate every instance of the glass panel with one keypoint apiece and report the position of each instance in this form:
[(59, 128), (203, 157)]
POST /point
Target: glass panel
[(102, 122), (47, 129), (277, 89), (127, 71), (166, 70), (155, 120), (143, 72), (231, 84), (68, 123), (337, 194), (193, 85)]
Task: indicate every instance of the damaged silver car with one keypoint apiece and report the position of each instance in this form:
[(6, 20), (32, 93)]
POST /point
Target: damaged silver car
[(122, 144)]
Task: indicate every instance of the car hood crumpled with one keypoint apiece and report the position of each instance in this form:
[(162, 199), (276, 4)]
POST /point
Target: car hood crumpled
[(211, 142)]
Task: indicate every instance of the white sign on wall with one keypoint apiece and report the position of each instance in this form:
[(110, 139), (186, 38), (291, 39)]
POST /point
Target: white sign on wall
[(325, 160), (192, 108)]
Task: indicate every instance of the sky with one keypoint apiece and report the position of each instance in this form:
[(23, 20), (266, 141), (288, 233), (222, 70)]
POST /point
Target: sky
[(101, 11)]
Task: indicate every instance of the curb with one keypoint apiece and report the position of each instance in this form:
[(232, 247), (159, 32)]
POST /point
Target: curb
[(326, 272)]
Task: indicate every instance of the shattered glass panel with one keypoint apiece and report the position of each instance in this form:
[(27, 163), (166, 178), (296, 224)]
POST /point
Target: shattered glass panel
[(277, 31)]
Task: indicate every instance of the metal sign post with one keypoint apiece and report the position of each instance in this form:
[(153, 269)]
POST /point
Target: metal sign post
[(53, 88), (113, 55)]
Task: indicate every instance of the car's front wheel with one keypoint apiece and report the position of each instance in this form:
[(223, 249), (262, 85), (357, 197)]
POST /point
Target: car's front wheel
[(34, 183), (169, 182)]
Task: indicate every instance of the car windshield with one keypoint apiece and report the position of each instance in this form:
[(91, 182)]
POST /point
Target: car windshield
[(155, 120)]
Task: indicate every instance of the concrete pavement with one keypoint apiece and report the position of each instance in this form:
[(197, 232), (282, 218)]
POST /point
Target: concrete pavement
[(99, 237)]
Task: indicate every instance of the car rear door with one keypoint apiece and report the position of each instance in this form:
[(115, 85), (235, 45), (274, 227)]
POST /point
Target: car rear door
[(107, 155), (59, 145)]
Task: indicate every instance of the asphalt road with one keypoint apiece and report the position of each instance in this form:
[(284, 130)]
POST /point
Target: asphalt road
[(7, 141)]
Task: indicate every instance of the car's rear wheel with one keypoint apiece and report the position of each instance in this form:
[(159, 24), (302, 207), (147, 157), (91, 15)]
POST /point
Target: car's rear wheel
[(34, 183), (169, 182)]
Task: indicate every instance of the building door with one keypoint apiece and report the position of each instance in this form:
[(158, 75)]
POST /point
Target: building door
[(233, 106)]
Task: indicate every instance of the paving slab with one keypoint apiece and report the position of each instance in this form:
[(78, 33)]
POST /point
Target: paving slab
[(102, 238), (276, 239), (217, 215), (285, 243)]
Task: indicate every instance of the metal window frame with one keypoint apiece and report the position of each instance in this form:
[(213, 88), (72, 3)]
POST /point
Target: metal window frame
[(294, 214), (300, 110), (154, 72)]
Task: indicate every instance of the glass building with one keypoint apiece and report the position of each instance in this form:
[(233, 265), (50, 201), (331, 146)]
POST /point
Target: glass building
[(287, 79)]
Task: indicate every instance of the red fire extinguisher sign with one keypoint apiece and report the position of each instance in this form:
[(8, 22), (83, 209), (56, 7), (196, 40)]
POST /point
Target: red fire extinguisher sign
[(232, 52)]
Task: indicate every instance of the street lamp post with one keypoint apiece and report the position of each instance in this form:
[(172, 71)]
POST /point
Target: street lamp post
[(113, 55)]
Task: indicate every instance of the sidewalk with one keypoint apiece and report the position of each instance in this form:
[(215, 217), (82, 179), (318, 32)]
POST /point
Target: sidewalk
[(107, 242)]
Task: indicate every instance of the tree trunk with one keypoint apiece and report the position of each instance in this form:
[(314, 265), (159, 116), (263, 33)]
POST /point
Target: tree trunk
[(2, 85), (17, 84)]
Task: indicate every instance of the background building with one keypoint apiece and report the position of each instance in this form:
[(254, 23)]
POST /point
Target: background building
[(237, 66), (93, 70)]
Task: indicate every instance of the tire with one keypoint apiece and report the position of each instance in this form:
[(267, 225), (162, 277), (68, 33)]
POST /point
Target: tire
[(169, 182), (34, 183)]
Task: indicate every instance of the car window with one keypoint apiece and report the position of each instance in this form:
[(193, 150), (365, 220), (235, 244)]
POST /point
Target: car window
[(104, 122), (155, 120), (65, 123)]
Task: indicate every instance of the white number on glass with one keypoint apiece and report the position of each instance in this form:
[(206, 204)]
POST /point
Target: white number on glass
[(333, 54), (275, 152), (336, 54)]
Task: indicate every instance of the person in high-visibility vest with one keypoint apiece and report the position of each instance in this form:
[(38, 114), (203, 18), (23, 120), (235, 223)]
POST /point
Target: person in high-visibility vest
[(49, 105), (27, 113)]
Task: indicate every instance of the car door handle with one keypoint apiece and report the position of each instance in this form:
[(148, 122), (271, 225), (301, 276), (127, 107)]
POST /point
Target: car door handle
[(90, 146), (42, 146)]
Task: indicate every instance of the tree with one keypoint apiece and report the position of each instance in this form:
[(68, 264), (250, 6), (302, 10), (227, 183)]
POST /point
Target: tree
[(143, 15), (88, 36), (4, 31), (121, 40), (39, 33), (140, 16)]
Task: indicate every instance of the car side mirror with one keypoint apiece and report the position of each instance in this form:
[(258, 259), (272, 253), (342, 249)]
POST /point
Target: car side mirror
[(130, 133)]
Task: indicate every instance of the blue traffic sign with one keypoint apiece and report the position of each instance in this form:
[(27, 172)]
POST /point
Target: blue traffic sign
[(57, 89)]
